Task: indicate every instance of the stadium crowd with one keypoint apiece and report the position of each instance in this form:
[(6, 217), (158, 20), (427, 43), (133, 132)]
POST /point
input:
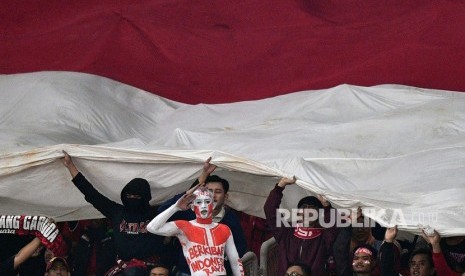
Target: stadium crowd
[(196, 233)]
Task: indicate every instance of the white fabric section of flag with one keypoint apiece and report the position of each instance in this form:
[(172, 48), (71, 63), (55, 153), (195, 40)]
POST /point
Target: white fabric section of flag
[(388, 147)]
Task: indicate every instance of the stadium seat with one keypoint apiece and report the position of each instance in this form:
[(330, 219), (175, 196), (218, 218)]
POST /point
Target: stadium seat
[(269, 258), (250, 264)]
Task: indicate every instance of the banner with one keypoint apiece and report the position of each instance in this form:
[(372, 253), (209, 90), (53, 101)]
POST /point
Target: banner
[(396, 151)]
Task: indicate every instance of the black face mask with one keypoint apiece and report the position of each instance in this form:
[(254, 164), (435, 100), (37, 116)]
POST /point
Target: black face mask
[(135, 204), (139, 191)]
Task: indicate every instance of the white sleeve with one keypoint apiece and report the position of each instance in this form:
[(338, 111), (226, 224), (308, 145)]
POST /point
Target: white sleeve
[(160, 225), (233, 257)]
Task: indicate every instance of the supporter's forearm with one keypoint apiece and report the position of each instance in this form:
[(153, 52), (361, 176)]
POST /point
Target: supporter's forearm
[(73, 171), (271, 208), (436, 247), (203, 177), (441, 266), (272, 203), (26, 252), (106, 206)]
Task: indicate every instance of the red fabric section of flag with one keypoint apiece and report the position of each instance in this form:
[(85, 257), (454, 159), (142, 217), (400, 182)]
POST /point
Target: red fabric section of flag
[(223, 51)]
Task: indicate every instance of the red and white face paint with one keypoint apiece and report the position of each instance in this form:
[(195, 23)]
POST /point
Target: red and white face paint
[(203, 206), (362, 260)]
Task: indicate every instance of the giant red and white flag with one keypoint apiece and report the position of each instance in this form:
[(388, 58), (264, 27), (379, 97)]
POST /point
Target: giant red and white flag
[(389, 147)]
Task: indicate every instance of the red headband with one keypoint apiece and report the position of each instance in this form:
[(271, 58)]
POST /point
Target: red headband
[(363, 250)]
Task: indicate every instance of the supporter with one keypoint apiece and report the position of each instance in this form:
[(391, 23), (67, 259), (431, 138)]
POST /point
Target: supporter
[(440, 264), (135, 246), (310, 244), (364, 260), (46, 233), (221, 213), (363, 235), (203, 241), (350, 237), (9, 266), (453, 249), (298, 269), (420, 264), (57, 266), (94, 253), (160, 270)]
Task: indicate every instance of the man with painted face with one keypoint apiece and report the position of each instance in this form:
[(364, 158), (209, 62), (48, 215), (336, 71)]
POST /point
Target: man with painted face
[(203, 241), (135, 246), (221, 214)]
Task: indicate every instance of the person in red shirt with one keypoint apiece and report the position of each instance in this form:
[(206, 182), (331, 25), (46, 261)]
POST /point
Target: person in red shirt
[(440, 264)]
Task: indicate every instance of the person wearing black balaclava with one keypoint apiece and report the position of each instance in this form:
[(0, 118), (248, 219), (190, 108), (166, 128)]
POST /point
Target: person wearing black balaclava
[(135, 246)]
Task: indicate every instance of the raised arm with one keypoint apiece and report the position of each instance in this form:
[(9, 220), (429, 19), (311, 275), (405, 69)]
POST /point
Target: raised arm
[(233, 257), (106, 206), (272, 204), (439, 261), (387, 254), (69, 164), (206, 170), (434, 239), (160, 225), (26, 252)]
